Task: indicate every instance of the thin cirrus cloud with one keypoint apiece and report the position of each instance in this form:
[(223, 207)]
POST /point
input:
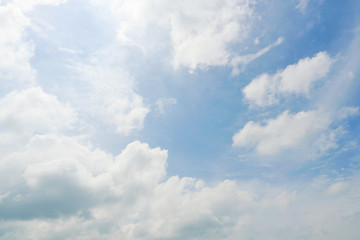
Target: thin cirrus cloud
[(164, 103), (266, 90)]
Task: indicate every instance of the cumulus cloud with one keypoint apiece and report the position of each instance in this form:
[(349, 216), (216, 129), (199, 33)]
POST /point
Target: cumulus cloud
[(57, 176), (59, 187), (289, 131), (56, 185), (31, 111), (297, 79), (34, 111), (201, 31)]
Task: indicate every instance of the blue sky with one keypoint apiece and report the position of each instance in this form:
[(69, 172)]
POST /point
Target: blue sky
[(144, 119)]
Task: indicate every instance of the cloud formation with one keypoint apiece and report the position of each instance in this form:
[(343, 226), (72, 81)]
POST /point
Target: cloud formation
[(15, 46), (201, 31), (289, 131), (58, 180), (58, 187), (31, 111), (296, 79), (246, 59)]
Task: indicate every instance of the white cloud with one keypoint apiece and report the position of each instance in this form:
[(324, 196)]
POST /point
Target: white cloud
[(337, 188), (201, 31), (55, 176), (164, 103), (296, 79), (34, 111), (59, 187), (31, 111), (302, 5), (54, 186), (29, 5), (246, 59), (289, 131), (15, 47), (97, 196)]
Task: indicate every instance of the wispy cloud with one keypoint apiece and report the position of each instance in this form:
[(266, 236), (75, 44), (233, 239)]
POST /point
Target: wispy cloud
[(246, 59)]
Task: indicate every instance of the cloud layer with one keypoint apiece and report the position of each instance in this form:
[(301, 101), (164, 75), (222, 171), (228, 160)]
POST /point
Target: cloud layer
[(58, 187)]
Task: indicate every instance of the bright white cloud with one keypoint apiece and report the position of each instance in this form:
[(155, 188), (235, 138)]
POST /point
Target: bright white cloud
[(297, 79), (288, 131), (201, 31), (54, 185), (56, 176), (31, 111), (85, 193), (15, 49), (34, 111)]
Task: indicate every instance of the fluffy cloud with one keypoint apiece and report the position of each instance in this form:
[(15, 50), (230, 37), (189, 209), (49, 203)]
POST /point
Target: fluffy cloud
[(296, 79), (60, 188), (34, 111), (31, 111), (289, 131), (201, 31), (55, 176)]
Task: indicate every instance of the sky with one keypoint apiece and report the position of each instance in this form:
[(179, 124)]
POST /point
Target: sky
[(165, 120)]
